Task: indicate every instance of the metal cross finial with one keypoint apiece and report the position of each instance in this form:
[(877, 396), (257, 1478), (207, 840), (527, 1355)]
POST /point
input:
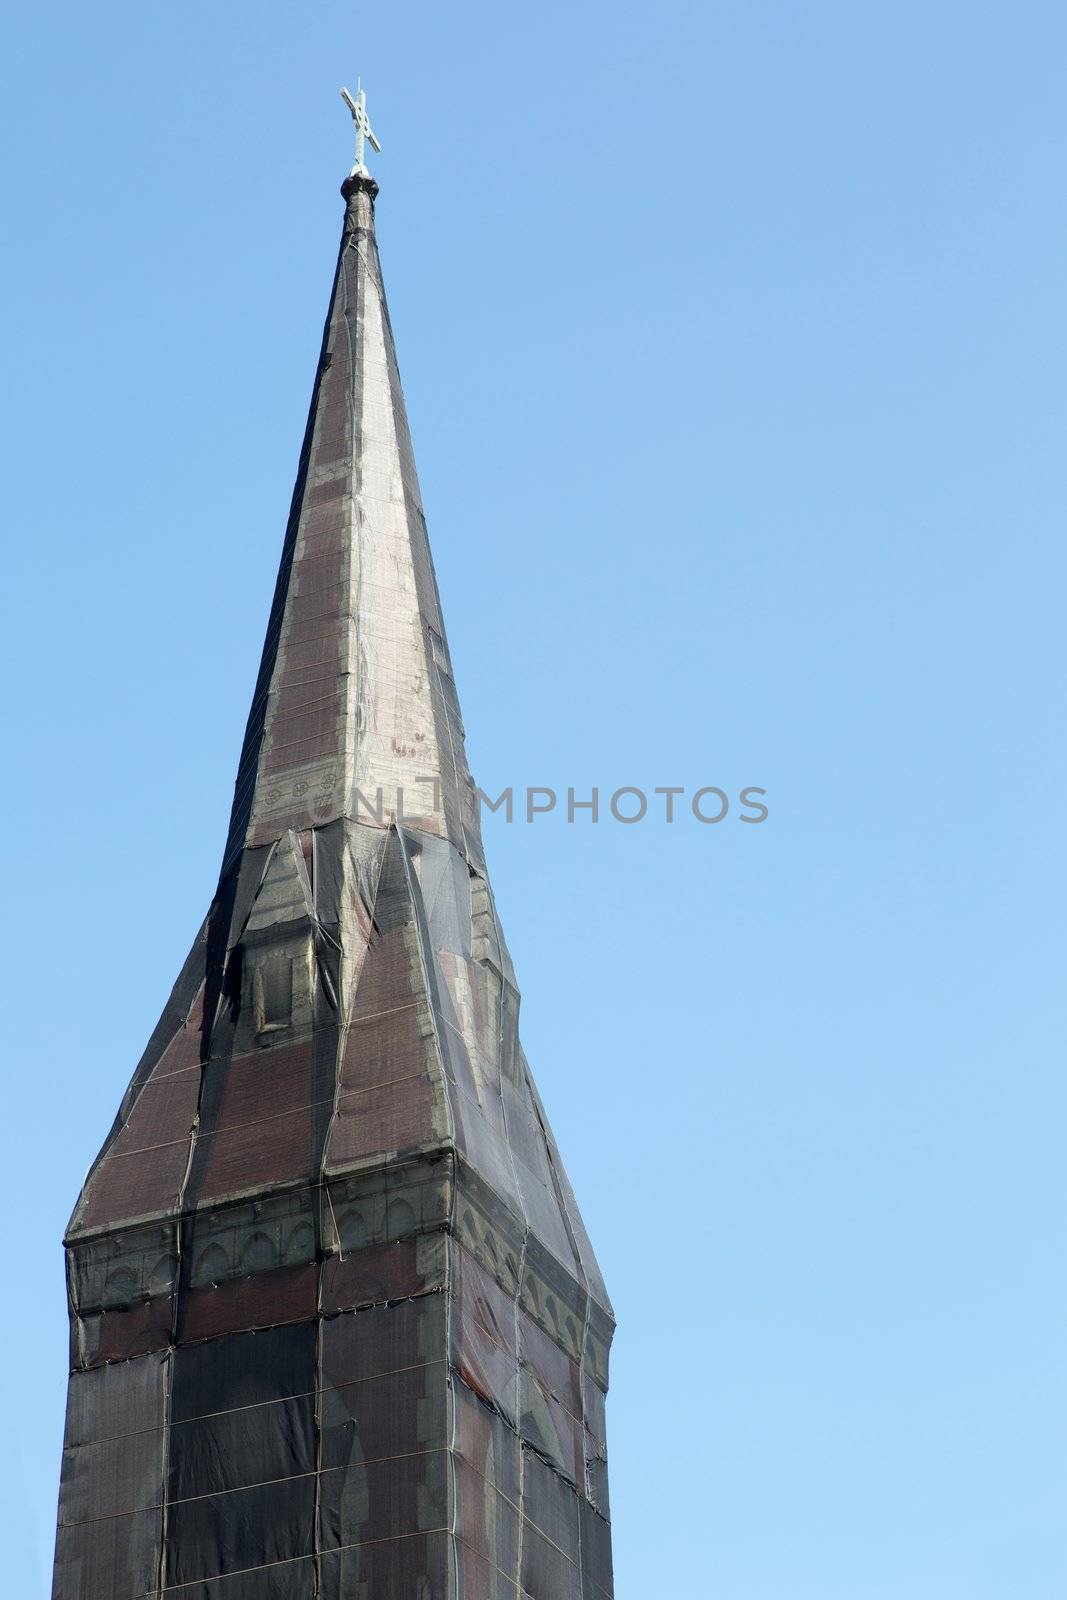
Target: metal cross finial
[(364, 131)]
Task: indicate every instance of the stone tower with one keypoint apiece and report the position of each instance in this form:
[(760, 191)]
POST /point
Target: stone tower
[(337, 1331)]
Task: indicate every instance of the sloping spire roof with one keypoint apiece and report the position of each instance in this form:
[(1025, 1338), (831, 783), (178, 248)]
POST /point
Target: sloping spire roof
[(350, 999), (355, 709)]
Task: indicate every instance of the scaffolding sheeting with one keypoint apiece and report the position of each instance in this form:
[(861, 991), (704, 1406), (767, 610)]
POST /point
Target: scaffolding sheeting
[(336, 1326)]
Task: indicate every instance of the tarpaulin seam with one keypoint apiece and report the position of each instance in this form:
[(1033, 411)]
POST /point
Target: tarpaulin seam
[(354, 572), (391, 1011), (518, 1508), (347, 1383), (318, 1473), (462, 1037), (288, 744), (223, 1061), (287, 1561), (414, 525), (525, 1444), (347, 984), (166, 1366), (260, 1327), (531, 1449), (305, 705), (328, 588), (179, 1199), (146, 1149), (357, 1544), (255, 1405), (324, 933), (551, 1391), (343, 690), (417, 535), (74, 1320), (296, 1477), (264, 1483), (428, 976), (352, 686), (384, 500), (275, 1116), (296, 681), (235, 1127), (517, 1331), (336, 1233), (461, 820), (519, 1540), (427, 1155), (163, 1077), (489, 1562), (580, 1264)]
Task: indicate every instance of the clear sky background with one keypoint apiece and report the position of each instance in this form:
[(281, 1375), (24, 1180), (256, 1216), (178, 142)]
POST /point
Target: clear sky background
[(733, 343)]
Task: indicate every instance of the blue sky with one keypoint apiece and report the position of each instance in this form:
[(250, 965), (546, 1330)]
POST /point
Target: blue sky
[(733, 342)]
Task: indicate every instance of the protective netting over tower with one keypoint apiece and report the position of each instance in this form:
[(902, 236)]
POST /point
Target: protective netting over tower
[(337, 1330)]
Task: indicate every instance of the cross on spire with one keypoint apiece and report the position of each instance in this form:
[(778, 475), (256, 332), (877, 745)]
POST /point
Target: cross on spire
[(364, 131)]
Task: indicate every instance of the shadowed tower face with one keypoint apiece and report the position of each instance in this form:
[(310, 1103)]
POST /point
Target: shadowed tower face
[(337, 1332)]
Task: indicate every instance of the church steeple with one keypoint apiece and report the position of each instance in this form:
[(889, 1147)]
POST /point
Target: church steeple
[(327, 1270), (355, 709)]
